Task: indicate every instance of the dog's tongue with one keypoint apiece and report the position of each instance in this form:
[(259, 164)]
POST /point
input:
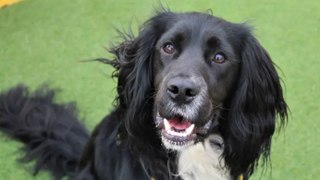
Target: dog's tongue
[(179, 123)]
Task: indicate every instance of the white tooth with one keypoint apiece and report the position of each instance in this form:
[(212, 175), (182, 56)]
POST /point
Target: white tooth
[(189, 129), (184, 134), (180, 134), (167, 126), (174, 133), (171, 132)]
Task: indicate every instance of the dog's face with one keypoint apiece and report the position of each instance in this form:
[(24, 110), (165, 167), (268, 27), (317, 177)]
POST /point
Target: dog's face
[(195, 66)]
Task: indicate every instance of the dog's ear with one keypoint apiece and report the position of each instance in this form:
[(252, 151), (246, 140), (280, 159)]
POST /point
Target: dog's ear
[(134, 64), (256, 103)]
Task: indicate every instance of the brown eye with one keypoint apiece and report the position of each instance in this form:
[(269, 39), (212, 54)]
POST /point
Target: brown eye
[(169, 48), (219, 58)]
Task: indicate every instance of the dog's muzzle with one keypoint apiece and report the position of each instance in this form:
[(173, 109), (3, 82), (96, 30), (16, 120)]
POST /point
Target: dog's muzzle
[(184, 113)]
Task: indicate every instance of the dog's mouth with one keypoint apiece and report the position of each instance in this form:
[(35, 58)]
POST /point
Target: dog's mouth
[(178, 132)]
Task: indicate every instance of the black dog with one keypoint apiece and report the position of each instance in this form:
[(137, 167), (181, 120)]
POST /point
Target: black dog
[(197, 99)]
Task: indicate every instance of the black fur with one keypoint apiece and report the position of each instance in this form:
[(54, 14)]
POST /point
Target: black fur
[(126, 144), (51, 133)]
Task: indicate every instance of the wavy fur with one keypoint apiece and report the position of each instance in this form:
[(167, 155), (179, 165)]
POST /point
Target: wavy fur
[(126, 144)]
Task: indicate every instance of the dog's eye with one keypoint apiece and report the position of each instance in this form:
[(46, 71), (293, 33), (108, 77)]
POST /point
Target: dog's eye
[(219, 58), (169, 48)]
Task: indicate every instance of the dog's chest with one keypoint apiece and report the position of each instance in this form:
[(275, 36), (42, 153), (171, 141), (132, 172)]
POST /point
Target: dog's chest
[(202, 161)]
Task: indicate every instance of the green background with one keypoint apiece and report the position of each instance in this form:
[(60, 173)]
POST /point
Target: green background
[(45, 41)]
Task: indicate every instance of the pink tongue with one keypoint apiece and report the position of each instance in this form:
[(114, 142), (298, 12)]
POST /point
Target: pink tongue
[(179, 124)]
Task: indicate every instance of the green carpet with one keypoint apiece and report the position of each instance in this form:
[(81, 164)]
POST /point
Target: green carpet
[(45, 41)]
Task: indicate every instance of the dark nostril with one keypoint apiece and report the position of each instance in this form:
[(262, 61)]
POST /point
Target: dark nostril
[(191, 92), (173, 89)]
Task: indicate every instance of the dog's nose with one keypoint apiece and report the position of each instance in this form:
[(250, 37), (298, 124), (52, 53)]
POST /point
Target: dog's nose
[(182, 90)]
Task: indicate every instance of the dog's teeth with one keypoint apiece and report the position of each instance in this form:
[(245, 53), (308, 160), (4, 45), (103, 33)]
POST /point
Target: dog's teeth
[(174, 133), (169, 130), (189, 129), (167, 126)]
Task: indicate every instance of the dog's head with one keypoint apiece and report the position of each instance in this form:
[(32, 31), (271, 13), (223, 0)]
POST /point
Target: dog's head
[(195, 67), (189, 73)]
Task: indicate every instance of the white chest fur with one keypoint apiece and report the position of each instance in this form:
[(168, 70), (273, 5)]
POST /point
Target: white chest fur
[(203, 161)]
